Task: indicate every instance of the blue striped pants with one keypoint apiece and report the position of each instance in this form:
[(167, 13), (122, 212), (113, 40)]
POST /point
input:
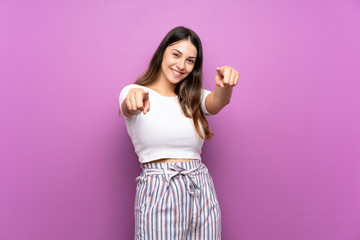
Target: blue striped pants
[(176, 201)]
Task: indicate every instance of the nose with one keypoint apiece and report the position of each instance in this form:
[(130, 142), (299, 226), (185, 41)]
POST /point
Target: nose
[(181, 64)]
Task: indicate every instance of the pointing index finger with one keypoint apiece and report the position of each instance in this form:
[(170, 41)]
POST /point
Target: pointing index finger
[(220, 71)]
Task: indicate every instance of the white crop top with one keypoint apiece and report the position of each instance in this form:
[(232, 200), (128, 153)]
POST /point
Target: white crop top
[(164, 131)]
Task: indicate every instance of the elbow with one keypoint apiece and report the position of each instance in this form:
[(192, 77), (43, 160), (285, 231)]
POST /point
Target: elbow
[(216, 105), (220, 108)]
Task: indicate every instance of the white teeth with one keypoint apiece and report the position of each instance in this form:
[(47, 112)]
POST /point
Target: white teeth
[(177, 72)]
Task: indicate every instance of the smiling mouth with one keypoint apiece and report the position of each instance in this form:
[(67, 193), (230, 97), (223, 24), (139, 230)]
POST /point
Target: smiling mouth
[(177, 72)]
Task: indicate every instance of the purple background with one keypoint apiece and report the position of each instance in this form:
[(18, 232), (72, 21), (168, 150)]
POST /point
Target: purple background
[(285, 155)]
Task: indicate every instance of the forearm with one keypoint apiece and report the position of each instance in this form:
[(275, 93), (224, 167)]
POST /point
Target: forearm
[(218, 99), (222, 96)]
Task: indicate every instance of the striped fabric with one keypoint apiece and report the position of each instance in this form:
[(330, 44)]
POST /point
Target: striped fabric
[(176, 201)]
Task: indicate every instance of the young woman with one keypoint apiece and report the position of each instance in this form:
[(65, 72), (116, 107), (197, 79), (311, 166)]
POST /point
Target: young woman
[(165, 113)]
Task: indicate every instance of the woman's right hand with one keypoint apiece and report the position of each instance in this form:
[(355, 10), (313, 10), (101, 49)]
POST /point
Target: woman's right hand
[(137, 100)]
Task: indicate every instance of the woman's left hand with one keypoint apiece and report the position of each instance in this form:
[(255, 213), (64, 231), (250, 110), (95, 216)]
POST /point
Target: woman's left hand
[(226, 75)]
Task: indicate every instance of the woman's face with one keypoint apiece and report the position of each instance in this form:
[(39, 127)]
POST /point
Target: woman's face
[(178, 61)]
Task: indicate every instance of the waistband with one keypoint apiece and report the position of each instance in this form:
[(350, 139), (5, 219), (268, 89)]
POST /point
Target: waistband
[(168, 165), (172, 169)]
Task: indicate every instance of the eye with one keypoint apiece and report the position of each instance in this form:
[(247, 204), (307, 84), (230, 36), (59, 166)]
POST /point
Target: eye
[(175, 54), (192, 61)]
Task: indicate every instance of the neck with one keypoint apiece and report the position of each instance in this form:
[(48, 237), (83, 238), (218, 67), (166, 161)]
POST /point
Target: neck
[(163, 86)]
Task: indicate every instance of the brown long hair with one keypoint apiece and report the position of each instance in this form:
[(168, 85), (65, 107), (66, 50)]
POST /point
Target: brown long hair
[(187, 90)]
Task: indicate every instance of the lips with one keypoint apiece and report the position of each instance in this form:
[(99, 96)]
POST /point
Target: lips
[(177, 73)]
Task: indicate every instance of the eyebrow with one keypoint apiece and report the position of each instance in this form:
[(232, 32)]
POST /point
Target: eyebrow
[(182, 54)]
